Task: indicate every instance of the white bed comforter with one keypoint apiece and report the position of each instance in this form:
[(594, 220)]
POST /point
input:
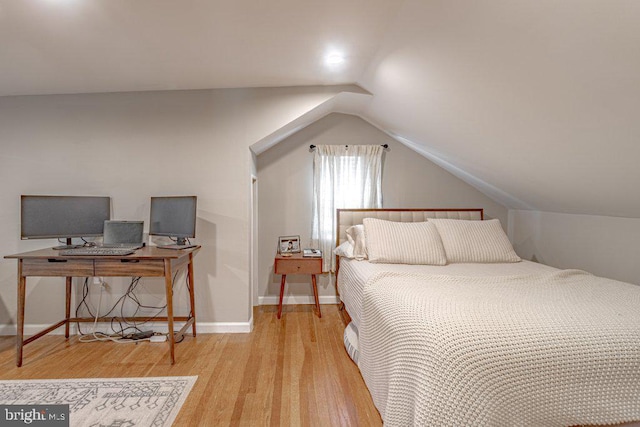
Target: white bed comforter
[(550, 349), (354, 275)]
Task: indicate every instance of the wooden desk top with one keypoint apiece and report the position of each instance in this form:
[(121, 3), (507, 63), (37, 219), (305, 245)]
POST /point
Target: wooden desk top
[(148, 252)]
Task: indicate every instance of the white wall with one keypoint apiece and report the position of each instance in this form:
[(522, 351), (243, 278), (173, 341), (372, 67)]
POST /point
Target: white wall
[(602, 245), (285, 174), (131, 146)]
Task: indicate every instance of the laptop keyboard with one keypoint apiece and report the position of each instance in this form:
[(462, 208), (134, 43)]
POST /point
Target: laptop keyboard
[(97, 252)]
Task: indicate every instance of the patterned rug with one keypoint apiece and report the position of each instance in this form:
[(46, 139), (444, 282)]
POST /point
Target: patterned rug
[(98, 402)]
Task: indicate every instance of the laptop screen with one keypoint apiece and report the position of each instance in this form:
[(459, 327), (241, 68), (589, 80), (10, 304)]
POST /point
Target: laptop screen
[(117, 232)]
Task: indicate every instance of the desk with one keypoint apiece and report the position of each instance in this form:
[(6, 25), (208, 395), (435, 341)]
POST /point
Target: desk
[(149, 261)]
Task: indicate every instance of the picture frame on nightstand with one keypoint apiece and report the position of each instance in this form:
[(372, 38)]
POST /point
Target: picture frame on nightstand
[(289, 244)]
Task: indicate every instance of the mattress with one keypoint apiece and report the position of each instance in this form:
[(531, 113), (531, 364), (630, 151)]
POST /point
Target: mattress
[(351, 342), (353, 275), (547, 349)]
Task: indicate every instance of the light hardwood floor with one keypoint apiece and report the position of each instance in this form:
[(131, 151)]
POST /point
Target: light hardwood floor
[(292, 371)]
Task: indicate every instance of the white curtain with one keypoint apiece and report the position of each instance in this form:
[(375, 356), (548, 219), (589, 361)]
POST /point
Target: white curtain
[(343, 177)]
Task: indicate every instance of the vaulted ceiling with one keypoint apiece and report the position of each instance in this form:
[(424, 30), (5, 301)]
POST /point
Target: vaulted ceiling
[(536, 102), (537, 98)]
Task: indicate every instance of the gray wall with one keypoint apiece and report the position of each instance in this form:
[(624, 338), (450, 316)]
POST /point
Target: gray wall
[(285, 177), (602, 245), (131, 146)]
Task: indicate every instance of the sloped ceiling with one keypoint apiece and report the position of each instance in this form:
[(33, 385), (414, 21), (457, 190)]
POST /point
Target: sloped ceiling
[(535, 102), (540, 99)]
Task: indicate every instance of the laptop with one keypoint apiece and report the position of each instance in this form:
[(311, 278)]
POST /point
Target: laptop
[(123, 234)]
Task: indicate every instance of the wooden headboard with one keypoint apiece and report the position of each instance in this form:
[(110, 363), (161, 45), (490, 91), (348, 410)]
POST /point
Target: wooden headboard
[(348, 217)]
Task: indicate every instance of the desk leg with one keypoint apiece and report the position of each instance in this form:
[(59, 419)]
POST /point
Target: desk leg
[(168, 282), (67, 311), (282, 281), (22, 285), (192, 295), (315, 294)]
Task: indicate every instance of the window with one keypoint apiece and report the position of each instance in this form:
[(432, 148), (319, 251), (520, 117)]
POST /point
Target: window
[(343, 177)]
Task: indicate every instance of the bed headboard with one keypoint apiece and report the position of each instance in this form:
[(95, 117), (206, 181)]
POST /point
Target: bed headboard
[(348, 217)]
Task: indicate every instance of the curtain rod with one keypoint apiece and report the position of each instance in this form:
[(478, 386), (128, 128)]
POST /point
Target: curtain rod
[(385, 146)]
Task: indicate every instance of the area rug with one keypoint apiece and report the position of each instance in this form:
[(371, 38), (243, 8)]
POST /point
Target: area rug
[(97, 402)]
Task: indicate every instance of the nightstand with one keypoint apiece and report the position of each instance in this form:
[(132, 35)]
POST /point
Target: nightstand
[(297, 264)]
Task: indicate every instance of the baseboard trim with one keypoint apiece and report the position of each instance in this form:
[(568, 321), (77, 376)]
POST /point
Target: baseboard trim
[(8, 330), (297, 299), (225, 327), (202, 327)]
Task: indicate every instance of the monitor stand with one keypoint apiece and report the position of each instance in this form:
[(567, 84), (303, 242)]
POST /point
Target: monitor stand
[(176, 246), (67, 246), (180, 244)]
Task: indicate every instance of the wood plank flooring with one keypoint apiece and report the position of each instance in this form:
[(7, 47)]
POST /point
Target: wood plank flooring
[(292, 371)]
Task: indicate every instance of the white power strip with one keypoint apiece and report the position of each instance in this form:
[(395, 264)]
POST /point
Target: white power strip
[(158, 338)]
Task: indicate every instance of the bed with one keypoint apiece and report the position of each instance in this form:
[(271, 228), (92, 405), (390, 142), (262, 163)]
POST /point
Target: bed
[(488, 343)]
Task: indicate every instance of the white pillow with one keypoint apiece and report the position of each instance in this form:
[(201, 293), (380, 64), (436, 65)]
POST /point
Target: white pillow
[(356, 236), (475, 241), (344, 250), (403, 242)]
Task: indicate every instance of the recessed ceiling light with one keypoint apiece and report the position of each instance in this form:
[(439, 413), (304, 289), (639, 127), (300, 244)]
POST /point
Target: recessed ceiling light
[(61, 2), (334, 59)]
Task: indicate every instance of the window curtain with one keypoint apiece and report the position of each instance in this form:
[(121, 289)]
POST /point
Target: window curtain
[(343, 177)]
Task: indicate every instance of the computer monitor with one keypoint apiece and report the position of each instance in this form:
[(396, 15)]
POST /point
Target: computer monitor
[(56, 217), (174, 217)]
